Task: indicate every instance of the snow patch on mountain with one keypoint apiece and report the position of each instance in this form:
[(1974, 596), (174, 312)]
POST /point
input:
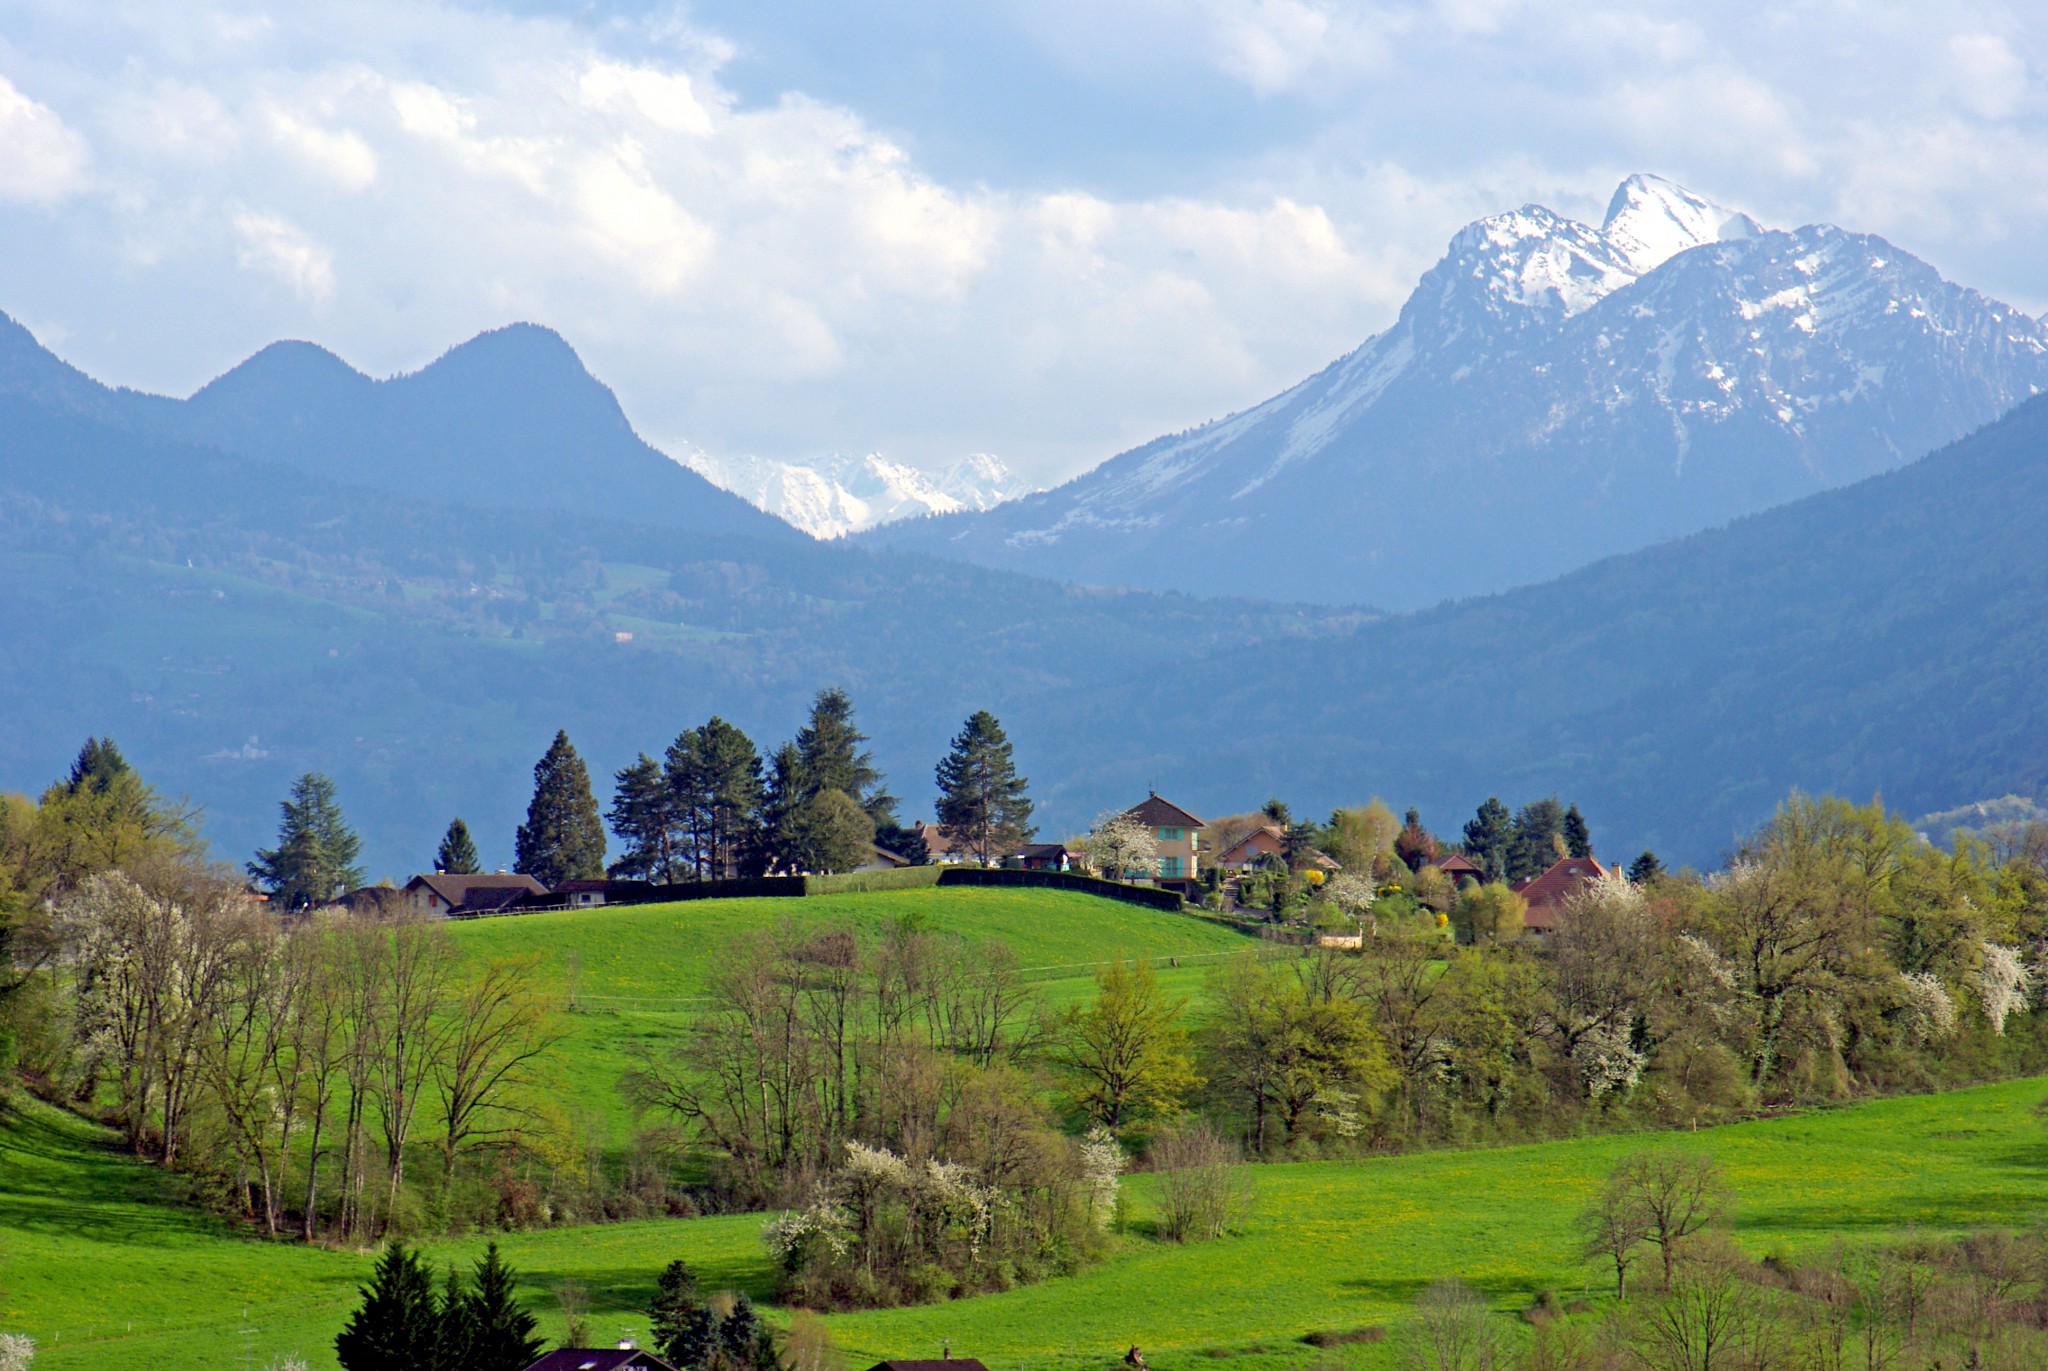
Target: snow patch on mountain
[(844, 493)]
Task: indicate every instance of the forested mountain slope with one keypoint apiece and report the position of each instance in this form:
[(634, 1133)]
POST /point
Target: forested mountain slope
[(1891, 636)]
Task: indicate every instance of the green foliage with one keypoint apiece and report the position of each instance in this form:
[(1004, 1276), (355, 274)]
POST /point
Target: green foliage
[(562, 838), (1578, 838), (457, 854), (102, 815), (714, 776), (497, 1333), (1489, 913), (315, 856), (678, 1318), (1127, 1053), (643, 818), (1645, 868), (830, 833), (830, 748), (982, 799), (1488, 837), (1538, 839), (398, 1325)]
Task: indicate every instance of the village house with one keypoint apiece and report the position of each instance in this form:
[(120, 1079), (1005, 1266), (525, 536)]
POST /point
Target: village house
[(1548, 892), (1176, 833), (1460, 868), (445, 896), (625, 1357), (1264, 841), (1040, 857)]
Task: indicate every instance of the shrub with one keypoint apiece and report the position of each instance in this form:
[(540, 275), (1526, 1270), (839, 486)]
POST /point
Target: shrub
[(1202, 1187)]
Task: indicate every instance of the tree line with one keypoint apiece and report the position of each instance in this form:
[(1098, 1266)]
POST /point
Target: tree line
[(711, 807)]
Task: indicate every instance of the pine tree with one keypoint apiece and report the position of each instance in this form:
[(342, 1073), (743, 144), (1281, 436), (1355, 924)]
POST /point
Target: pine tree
[(643, 815), (982, 799), (457, 1330), (1578, 839), (830, 747), (1487, 836), (457, 853), (785, 845), (398, 1326), (714, 775), (1645, 868), (562, 838), (97, 768), (676, 1319), (739, 1332), (498, 1332), (1538, 839), (315, 856)]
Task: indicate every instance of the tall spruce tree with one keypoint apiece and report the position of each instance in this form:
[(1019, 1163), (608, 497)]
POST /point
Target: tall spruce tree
[(1645, 868), (398, 1325), (315, 856), (643, 815), (1578, 838), (563, 837), (714, 774), (783, 840), (830, 746), (497, 1331), (1487, 837), (1538, 840), (982, 799), (457, 854)]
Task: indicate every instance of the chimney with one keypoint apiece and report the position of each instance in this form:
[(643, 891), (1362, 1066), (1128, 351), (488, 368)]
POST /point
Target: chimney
[(628, 1345)]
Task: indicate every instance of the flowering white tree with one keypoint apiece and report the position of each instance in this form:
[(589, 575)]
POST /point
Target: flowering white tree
[(1102, 1162), (1120, 847), (17, 1350), (1934, 1013), (2002, 983)]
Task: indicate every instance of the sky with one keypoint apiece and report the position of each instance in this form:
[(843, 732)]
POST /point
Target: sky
[(1044, 229)]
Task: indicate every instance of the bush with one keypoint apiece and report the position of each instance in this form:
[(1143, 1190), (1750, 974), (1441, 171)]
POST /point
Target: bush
[(1202, 1187), (868, 882)]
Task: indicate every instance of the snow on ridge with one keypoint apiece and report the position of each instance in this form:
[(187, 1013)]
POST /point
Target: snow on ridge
[(845, 493)]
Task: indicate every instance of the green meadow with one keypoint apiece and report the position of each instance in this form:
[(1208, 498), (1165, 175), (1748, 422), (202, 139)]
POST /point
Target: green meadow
[(634, 973), (105, 1268)]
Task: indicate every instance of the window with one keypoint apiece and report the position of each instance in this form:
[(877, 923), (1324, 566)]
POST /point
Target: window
[(1172, 835), (1170, 869)]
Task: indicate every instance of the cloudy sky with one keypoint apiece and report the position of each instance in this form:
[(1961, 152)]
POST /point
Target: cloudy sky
[(1046, 229)]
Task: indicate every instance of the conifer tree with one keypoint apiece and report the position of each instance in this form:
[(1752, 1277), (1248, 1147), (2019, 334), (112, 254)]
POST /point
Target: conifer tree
[(103, 815), (1578, 838), (739, 1334), (1645, 868), (678, 1320), (497, 1331), (315, 856), (643, 815), (398, 1326), (562, 838), (830, 747), (1487, 836), (457, 854), (782, 810), (1538, 839), (982, 799), (714, 774)]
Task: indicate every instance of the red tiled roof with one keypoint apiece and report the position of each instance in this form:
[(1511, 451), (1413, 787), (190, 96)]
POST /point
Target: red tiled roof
[(1158, 813), (1547, 892), (1457, 864)]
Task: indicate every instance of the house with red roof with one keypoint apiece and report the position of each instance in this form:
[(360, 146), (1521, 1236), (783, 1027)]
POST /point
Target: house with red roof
[(1548, 892)]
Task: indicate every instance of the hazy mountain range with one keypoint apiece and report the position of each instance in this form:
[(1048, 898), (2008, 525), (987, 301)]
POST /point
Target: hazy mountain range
[(1551, 393)]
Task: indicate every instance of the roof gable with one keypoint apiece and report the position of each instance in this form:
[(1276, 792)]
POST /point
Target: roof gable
[(1158, 813), (457, 891)]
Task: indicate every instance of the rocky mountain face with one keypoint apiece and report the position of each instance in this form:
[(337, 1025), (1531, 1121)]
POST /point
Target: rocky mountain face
[(844, 494), (1551, 393)]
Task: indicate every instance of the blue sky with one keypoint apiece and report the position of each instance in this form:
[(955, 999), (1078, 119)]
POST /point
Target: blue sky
[(1047, 229)]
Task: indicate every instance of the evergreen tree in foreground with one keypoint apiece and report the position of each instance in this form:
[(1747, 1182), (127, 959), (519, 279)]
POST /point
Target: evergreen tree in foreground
[(562, 838), (457, 853), (398, 1326), (830, 747), (1645, 868), (1538, 839), (714, 776), (982, 799), (679, 1321), (1487, 835), (1578, 838), (315, 856), (496, 1331)]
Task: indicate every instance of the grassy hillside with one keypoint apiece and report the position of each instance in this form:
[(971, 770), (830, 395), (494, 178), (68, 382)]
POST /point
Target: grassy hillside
[(635, 972), (97, 1263)]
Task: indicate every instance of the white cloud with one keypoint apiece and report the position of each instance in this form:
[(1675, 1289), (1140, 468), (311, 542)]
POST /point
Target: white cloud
[(41, 160), (278, 249), (787, 274)]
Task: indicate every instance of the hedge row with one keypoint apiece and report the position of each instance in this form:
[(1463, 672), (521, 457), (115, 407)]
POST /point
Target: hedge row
[(1146, 895)]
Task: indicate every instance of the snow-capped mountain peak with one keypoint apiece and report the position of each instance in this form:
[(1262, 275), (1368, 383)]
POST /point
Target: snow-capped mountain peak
[(845, 492), (1650, 221), (1552, 392)]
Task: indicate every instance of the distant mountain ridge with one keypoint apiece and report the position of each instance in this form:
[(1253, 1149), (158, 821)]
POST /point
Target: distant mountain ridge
[(844, 493), (1551, 393), (508, 420)]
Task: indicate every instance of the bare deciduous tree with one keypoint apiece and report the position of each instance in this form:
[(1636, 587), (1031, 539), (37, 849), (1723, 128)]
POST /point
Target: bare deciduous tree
[(1678, 1193), (1453, 1331), (1203, 1188)]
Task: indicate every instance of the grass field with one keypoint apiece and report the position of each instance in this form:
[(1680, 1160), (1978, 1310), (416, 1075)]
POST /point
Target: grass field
[(105, 1272), (634, 973)]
